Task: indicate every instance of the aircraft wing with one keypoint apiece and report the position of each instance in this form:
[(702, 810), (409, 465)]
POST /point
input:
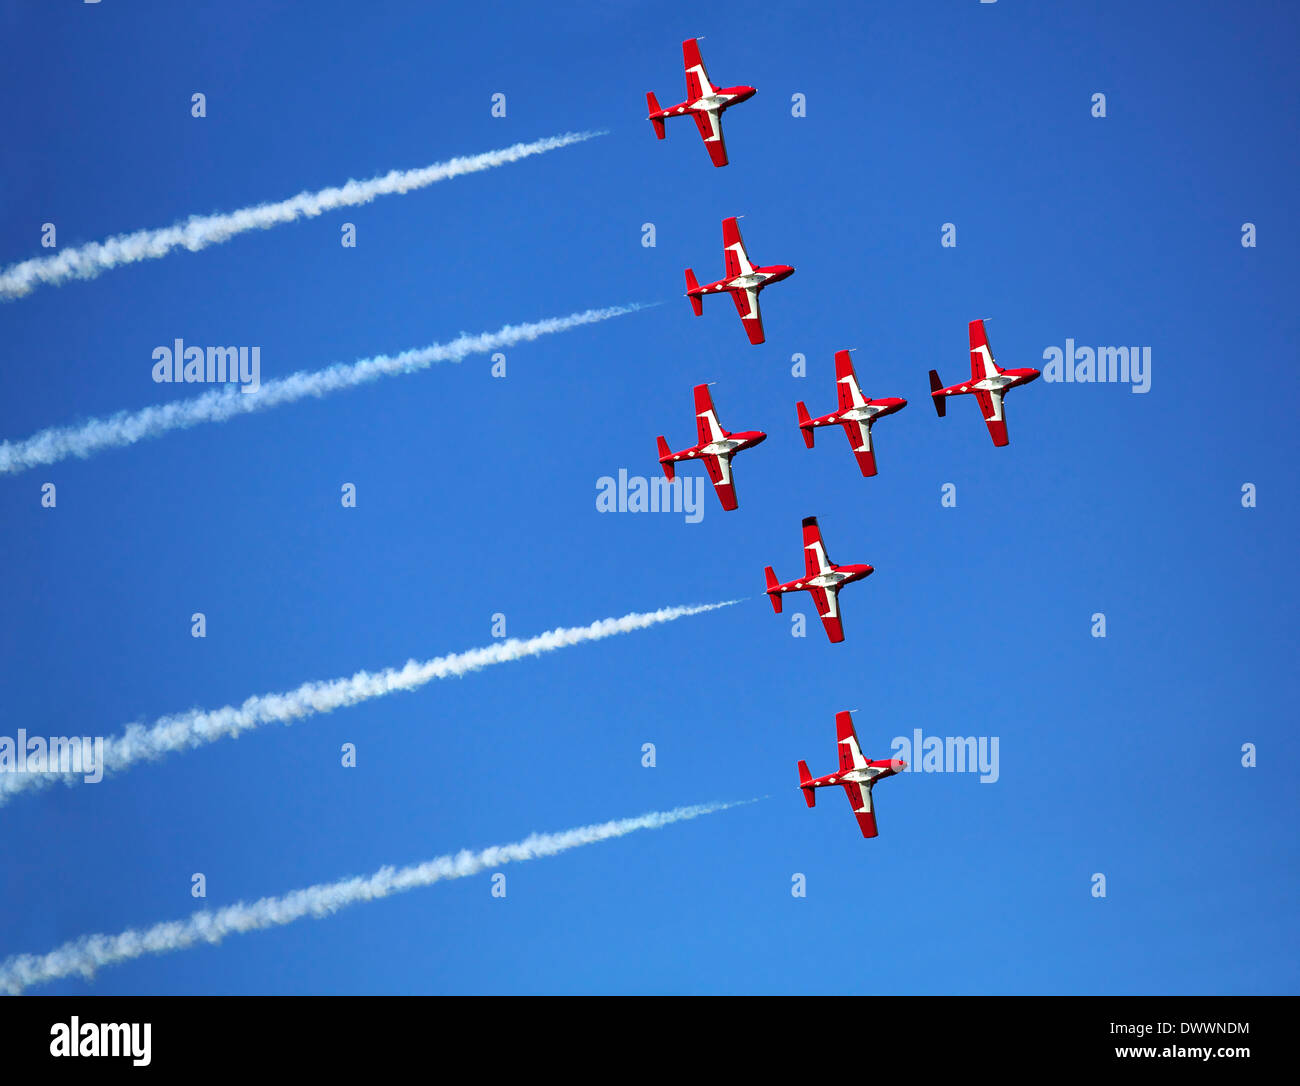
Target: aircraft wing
[(991, 404), (750, 316), (846, 382), (709, 123), (814, 550), (733, 250), (982, 364), (719, 469), (706, 418), (860, 441), (846, 736), (828, 609), (863, 808), (697, 78)]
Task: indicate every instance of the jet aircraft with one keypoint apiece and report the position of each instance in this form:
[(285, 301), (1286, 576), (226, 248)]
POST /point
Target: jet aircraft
[(857, 775), (716, 448), (822, 580), (989, 383), (705, 102), (856, 414), (743, 281)]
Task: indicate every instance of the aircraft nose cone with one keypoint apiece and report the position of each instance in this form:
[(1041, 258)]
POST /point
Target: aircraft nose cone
[(1034, 375), (899, 765)]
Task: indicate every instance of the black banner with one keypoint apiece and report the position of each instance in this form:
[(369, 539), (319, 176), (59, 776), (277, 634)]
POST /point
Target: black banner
[(815, 1035)]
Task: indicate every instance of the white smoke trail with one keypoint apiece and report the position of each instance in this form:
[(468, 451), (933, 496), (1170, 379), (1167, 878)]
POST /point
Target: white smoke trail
[(83, 956), (127, 427), (197, 727), (200, 231)]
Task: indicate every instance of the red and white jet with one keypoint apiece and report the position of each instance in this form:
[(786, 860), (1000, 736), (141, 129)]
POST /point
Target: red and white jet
[(743, 281), (705, 102), (988, 383), (716, 448), (822, 580), (856, 414), (857, 776)]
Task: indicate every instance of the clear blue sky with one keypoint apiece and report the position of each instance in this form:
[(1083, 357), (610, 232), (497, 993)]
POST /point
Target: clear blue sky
[(477, 495)]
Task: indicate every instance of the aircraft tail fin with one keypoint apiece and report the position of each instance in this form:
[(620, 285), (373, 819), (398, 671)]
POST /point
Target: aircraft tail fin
[(805, 423), (664, 454), (940, 402), (809, 792), (697, 303), (658, 122), (772, 582)]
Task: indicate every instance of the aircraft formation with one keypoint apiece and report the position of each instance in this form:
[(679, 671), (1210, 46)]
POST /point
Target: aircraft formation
[(822, 579)]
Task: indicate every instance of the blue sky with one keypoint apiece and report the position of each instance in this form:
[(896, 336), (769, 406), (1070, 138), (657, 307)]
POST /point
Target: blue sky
[(477, 495)]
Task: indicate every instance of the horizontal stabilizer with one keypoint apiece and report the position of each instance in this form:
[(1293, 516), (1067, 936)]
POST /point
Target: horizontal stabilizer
[(658, 122), (692, 284), (940, 402), (664, 454), (772, 582), (805, 423), (809, 792)]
